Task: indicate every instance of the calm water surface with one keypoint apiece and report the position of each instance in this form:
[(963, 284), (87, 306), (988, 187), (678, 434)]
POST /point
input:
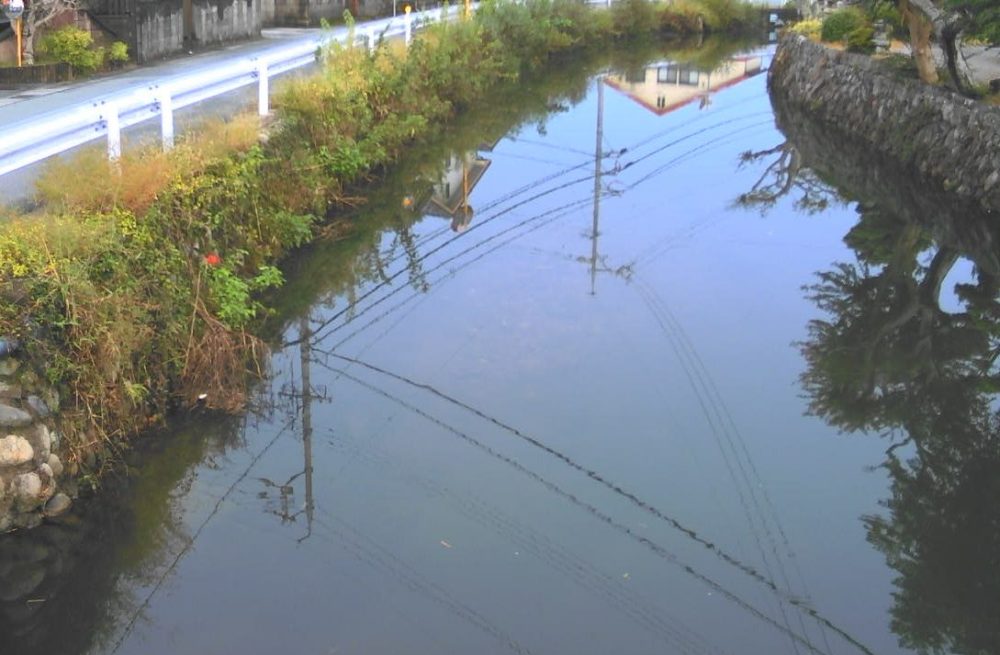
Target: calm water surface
[(547, 404)]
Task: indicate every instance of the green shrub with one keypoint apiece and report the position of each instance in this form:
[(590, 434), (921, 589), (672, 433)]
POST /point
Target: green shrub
[(982, 18), (837, 25), (729, 15), (541, 29), (634, 17), (118, 53), (861, 40), (681, 17), (888, 12), (74, 47), (810, 28)]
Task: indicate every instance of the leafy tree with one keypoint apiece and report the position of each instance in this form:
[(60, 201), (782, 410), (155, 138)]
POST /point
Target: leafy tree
[(982, 17), (38, 14), (948, 21)]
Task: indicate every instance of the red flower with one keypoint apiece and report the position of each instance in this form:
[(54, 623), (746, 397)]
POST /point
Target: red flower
[(213, 259)]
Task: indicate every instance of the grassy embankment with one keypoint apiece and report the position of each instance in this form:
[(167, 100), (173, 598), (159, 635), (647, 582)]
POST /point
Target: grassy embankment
[(134, 289)]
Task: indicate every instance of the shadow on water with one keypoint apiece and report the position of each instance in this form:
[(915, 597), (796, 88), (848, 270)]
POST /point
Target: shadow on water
[(907, 350), (60, 590), (71, 587)]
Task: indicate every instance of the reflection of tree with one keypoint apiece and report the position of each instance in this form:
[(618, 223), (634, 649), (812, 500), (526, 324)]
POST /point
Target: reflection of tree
[(782, 176), (889, 358), (943, 537)]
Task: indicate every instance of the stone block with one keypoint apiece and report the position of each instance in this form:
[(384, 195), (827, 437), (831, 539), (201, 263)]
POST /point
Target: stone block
[(12, 417), (57, 505), (15, 450), (27, 491), (56, 465), (43, 439), (28, 520), (39, 407)]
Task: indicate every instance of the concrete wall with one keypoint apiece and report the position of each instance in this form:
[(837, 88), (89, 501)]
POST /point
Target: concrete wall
[(297, 13), (159, 29), (952, 141), (217, 21)]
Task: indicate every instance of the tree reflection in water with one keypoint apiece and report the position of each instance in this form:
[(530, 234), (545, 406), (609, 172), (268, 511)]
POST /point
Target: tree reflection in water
[(887, 358)]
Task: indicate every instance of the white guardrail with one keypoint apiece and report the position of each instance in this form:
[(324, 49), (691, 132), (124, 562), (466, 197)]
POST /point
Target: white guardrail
[(32, 140)]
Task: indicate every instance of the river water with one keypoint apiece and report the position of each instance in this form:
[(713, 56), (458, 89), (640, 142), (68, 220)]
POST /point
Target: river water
[(541, 401)]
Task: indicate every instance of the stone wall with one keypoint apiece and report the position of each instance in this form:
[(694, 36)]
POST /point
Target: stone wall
[(30, 470), (875, 180), (952, 141)]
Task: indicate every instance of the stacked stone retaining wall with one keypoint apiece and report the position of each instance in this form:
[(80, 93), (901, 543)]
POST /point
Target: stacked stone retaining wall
[(30, 469), (952, 141), (875, 180)]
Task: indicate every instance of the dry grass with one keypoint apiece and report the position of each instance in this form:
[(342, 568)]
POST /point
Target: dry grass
[(137, 179), (218, 362)]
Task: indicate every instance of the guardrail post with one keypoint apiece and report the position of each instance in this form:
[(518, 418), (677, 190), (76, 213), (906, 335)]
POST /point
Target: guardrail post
[(263, 108), (114, 131), (409, 25), (371, 39), (166, 119)]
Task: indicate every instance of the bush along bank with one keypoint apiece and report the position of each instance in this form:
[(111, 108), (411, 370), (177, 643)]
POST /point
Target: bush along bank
[(133, 290)]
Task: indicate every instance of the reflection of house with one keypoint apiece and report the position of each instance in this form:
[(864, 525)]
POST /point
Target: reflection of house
[(450, 195), (666, 86)]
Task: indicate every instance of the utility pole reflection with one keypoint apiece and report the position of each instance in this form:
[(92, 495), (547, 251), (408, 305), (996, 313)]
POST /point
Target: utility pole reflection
[(286, 491), (597, 263), (305, 353)]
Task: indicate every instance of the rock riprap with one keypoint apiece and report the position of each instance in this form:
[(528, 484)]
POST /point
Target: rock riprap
[(30, 465)]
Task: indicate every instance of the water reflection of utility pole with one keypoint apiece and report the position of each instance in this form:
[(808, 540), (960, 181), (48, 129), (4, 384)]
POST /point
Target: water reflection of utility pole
[(286, 490), (622, 271), (597, 185), (305, 353)]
